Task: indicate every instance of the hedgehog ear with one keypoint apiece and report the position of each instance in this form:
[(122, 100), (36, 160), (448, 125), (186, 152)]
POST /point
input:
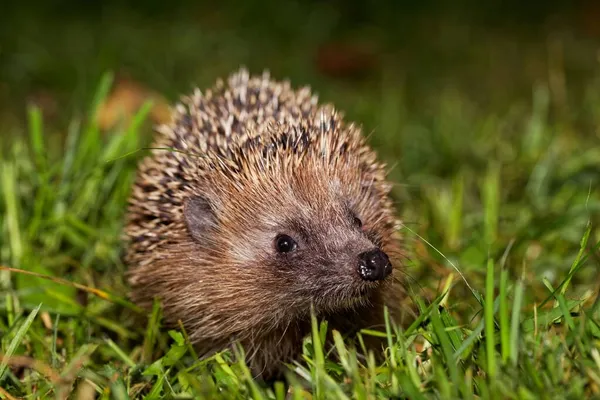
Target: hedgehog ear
[(199, 217)]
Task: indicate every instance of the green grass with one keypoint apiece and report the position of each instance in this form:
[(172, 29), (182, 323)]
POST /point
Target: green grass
[(499, 196), (508, 334)]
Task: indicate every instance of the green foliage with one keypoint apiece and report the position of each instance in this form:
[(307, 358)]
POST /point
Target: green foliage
[(500, 205)]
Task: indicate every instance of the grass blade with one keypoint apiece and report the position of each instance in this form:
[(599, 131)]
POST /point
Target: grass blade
[(575, 264), (447, 351), (489, 320), (97, 292), (491, 199), (36, 136), (504, 321), (9, 188), (515, 322), (16, 341)]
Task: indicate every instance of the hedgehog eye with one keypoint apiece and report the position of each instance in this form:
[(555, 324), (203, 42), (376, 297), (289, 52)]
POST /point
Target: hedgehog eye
[(357, 222), (285, 244)]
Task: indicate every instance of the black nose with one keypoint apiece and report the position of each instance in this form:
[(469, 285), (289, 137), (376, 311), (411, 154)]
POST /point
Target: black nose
[(374, 265)]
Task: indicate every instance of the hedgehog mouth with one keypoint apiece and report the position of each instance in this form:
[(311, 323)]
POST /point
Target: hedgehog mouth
[(360, 297), (365, 291)]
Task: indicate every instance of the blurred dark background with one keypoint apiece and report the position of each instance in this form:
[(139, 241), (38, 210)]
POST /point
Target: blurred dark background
[(56, 51), (393, 65)]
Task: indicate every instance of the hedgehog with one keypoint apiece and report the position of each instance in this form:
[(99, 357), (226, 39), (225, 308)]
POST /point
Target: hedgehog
[(256, 207)]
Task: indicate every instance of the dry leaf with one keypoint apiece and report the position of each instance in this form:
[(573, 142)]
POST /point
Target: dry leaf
[(46, 102), (46, 320), (125, 100), (345, 60)]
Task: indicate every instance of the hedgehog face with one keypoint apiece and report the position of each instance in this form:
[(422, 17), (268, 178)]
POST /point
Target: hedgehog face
[(313, 238), (325, 257)]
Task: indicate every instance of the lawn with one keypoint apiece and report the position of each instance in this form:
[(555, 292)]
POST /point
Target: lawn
[(491, 131)]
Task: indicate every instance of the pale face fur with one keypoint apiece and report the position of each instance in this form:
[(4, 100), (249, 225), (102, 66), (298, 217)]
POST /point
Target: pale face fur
[(204, 232)]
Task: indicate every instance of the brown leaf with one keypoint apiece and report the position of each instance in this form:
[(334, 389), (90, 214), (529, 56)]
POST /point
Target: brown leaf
[(346, 60), (46, 102), (589, 17), (85, 391), (125, 100), (46, 320)]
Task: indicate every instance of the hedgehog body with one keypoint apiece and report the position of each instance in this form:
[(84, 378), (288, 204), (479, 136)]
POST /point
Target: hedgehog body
[(257, 204)]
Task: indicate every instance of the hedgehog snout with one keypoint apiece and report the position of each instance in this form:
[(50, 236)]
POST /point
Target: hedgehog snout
[(374, 265)]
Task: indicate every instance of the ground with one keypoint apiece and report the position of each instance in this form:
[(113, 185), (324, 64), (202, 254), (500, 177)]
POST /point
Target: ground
[(491, 130)]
